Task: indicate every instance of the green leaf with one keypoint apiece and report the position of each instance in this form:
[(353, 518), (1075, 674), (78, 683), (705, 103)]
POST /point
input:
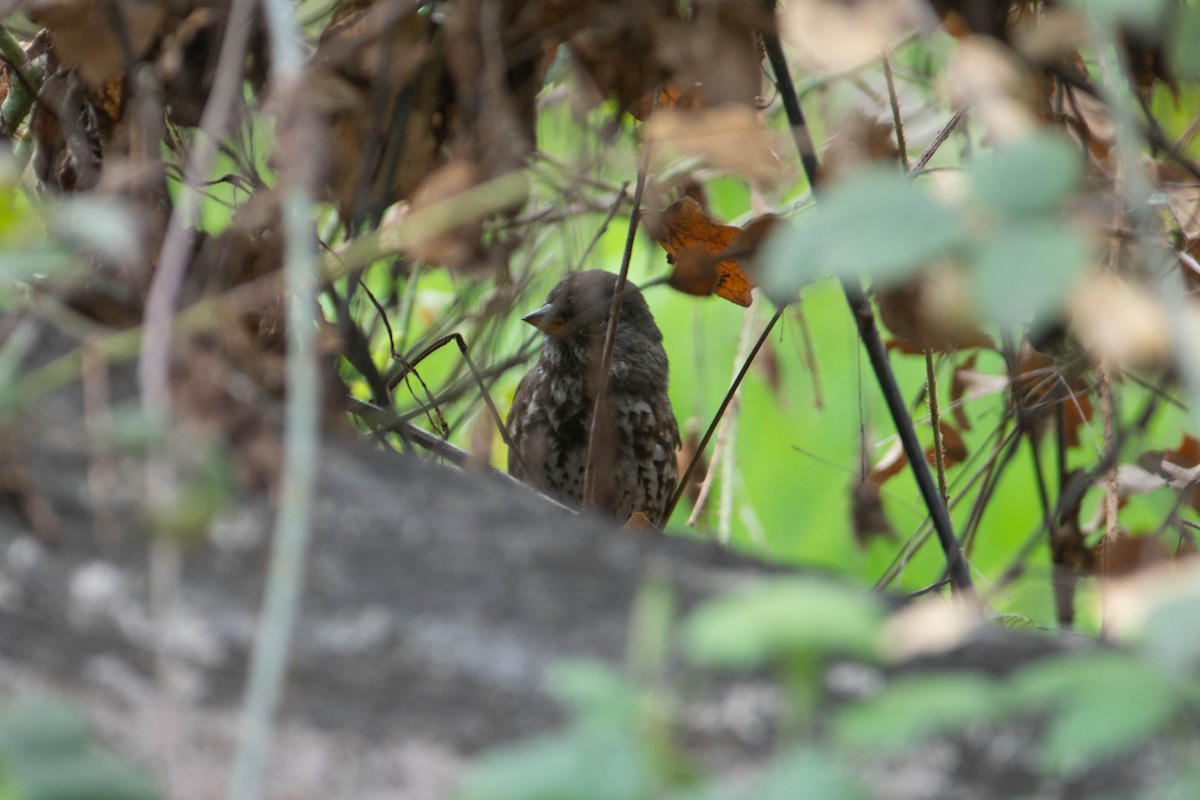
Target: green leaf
[(569, 766), (1143, 15), (1101, 705), (808, 773), (783, 618), (875, 225), (917, 707), (1170, 636), (1183, 52), (1028, 177), (594, 693), (103, 226), (91, 775), (1023, 270), (47, 753), (41, 726)]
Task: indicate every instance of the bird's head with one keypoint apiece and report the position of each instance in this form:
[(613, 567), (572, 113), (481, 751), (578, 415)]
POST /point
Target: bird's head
[(577, 309)]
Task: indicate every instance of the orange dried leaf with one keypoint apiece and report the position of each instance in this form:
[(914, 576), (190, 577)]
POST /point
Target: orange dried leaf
[(694, 243)]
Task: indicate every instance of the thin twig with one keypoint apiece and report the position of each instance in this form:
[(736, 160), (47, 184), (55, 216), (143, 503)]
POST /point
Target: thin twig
[(712, 426), (301, 444), (937, 142), (897, 120), (591, 470), (177, 245), (939, 449)]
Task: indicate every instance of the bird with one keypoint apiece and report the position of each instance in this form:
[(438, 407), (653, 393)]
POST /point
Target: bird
[(550, 421)]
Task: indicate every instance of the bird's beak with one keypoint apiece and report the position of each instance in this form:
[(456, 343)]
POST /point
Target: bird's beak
[(547, 319)]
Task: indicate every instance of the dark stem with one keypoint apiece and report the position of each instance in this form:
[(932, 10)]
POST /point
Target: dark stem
[(864, 317)]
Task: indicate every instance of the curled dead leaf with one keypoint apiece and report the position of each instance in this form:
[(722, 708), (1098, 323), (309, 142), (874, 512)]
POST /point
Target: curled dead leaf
[(1120, 322), (833, 36), (1126, 553), (708, 256), (986, 76), (731, 137), (451, 246), (868, 515), (933, 311)]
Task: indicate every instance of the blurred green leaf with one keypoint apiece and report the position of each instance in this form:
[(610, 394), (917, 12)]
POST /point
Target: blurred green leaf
[(90, 775), (41, 726), (1170, 636), (1100, 705), (1025, 269), (1183, 785), (1028, 177), (594, 693), (916, 707), (33, 262), (574, 765), (806, 773), (782, 618), (1183, 51), (105, 227), (1144, 15), (46, 753), (875, 225)]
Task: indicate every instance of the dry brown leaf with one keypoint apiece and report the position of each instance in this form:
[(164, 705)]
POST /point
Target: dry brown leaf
[(1054, 34), (986, 76), (1120, 322), (1126, 554), (832, 36), (958, 391), (1085, 117), (83, 33), (1182, 191), (868, 516), (861, 140), (1128, 602), (455, 247), (930, 626), (933, 311), (616, 50), (718, 48), (954, 449), (893, 463), (1178, 468), (695, 243), (732, 137)]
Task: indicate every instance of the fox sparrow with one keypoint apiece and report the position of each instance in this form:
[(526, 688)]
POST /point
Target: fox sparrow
[(551, 418)]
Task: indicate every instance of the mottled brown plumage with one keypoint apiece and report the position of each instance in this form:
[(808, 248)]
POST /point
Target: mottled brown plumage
[(551, 413)]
